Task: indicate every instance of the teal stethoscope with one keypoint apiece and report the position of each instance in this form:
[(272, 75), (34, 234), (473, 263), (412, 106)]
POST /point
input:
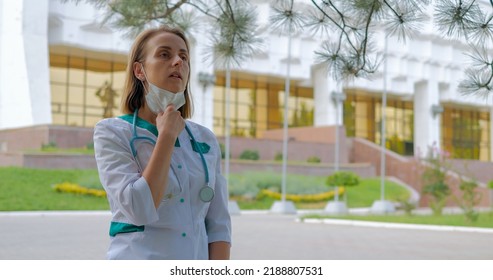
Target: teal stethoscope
[(206, 193)]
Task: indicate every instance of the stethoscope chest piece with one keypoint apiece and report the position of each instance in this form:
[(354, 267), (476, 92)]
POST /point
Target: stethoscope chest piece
[(206, 194)]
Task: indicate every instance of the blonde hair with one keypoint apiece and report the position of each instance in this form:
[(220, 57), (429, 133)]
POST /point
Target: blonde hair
[(133, 91)]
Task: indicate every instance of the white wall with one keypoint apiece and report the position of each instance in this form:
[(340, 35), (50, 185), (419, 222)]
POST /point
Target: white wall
[(24, 67)]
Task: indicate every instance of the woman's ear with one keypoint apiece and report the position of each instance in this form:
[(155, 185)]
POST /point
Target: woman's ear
[(138, 71)]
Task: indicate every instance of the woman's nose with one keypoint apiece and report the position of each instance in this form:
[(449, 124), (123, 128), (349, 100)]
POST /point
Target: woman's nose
[(177, 60)]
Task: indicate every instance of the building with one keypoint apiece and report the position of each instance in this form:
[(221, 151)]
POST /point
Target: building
[(59, 66)]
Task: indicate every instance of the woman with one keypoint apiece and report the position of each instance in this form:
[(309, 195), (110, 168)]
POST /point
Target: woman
[(161, 172)]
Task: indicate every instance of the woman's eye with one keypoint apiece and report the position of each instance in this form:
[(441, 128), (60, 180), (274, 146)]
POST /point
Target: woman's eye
[(184, 57), (165, 55)]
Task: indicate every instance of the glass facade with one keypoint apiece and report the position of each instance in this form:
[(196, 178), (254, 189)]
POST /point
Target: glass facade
[(363, 118), (256, 104), (466, 133), (84, 90)]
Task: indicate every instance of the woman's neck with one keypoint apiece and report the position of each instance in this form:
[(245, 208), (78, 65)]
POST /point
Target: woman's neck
[(147, 115)]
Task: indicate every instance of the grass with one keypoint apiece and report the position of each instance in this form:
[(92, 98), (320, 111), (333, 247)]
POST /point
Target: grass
[(55, 150), (362, 195), (23, 189), (32, 189)]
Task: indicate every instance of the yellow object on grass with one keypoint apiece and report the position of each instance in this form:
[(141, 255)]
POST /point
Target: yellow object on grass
[(67, 187), (300, 197)]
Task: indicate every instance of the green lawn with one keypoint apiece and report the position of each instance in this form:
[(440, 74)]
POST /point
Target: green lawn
[(362, 195), (23, 189)]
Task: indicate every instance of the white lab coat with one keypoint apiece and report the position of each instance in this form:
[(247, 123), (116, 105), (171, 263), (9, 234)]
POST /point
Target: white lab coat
[(181, 227)]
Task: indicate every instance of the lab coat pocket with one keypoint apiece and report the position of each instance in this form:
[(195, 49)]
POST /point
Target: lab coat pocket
[(173, 188)]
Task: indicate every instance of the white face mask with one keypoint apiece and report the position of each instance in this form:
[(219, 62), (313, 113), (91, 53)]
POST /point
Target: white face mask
[(158, 99)]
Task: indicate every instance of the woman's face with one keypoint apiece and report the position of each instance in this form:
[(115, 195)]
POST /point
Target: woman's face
[(166, 63)]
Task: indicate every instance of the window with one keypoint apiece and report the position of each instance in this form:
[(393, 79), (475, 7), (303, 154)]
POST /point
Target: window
[(466, 133), (256, 104), (363, 118), (84, 90)]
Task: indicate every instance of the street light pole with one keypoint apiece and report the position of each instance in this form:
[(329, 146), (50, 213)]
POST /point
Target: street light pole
[(383, 206), (285, 207)]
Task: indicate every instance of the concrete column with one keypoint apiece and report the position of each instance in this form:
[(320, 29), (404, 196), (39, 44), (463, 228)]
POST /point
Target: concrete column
[(203, 97), (427, 129), (325, 108), (24, 64)]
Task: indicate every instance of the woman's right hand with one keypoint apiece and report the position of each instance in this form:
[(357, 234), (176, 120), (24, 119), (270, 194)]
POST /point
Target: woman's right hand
[(169, 125), (170, 122)]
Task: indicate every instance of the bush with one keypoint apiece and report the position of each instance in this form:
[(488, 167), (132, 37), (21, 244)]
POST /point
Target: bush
[(313, 159), (48, 147), (278, 157), (433, 179), (470, 198), (90, 146), (342, 178), (406, 205), (222, 147), (250, 155)]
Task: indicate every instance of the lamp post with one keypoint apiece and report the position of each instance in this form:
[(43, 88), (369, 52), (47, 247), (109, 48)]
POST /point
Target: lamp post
[(206, 80), (383, 206), (284, 206), (336, 206), (232, 205)]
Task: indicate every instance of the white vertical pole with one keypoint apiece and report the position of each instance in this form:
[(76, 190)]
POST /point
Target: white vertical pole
[(383, 136), (336, 152), (226, 126), (285, 124)]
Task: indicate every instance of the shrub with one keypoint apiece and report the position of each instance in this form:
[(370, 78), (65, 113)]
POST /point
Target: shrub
[(342, 178), (433, 179), (223, 150), (250, 155), (278, 156), (313, 159), (90, 146), (48, 147), (222, 147), (470, 198), (406, 205)]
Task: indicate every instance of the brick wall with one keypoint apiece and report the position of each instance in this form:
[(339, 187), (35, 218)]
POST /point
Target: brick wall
[(303, 142), (33, 138), (297, 150), (408, 170)]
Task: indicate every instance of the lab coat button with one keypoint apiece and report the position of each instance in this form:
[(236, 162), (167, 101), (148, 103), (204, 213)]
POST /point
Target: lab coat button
[(179, 166), (182, 200), (184, 234)]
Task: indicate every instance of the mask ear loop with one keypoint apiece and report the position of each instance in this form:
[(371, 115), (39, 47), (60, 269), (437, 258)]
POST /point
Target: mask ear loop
[(145, 76), (148, 90)]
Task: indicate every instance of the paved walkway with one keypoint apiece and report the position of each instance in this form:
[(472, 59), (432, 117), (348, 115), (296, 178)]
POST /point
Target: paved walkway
[(256, 235)]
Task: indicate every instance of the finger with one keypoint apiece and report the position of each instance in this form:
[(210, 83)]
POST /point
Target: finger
[(170, 108)]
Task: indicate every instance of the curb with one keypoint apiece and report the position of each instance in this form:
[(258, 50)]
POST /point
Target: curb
[(56, 213), (395, 225)]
